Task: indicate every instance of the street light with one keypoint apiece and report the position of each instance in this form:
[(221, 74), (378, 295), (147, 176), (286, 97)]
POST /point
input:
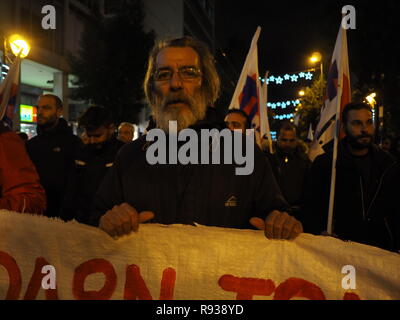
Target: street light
[(315, 58), (371, 99), (302, 93), (19, 46)]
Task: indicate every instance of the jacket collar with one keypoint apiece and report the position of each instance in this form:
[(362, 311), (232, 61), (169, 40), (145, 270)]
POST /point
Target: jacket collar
[(61, 127), (379, 157)]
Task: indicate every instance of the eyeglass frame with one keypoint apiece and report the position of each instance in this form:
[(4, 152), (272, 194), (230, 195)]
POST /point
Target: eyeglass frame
[(197, 70)]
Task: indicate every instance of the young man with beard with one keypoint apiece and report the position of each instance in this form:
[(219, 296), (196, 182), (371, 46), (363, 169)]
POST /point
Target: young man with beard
[(93, 162), (53, 151), (365, 208), (181, 82), (290, 165)]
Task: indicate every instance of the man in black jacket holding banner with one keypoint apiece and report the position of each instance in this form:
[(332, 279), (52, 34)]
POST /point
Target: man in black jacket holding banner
[(365, 207), (181, 82)]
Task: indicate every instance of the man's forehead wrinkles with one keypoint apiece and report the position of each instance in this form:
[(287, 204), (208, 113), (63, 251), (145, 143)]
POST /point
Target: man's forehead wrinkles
[(177, 56)]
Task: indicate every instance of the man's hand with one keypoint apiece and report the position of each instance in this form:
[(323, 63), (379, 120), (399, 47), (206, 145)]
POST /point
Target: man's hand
[(123, 219), (278, 225)]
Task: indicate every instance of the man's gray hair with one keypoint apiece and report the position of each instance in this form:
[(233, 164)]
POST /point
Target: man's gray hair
[(131, 125), (210, 79)]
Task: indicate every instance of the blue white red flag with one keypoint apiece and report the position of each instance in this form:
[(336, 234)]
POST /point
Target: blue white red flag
[(248, 89), (337, 92), (8, 92)]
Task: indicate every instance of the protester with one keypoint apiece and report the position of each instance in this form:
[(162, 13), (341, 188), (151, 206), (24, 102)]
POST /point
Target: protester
[(365, 205), (91, 164), (20, 189), (126, 132), (53, 151), (386, 144), (237, 119), (290, 165), (180, 83)]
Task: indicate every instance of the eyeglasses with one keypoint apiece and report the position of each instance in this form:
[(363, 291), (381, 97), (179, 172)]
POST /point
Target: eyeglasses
[(184, 73)]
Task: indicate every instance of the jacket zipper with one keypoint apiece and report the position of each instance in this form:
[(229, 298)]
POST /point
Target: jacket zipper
[(362, 199)]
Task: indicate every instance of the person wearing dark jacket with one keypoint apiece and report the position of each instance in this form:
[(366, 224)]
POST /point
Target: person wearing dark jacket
[(291, 166), (53, 151), (181, 81), (366, 209), (91, 164)]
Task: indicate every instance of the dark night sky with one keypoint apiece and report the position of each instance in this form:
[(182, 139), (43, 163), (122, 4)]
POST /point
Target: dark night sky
[(292, 30)]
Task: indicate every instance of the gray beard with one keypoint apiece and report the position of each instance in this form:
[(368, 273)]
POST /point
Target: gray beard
[(194, 111)]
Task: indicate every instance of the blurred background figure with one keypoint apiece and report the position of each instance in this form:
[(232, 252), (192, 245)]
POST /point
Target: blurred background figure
[(386, 144), (237, 119), (91, 164), (53, 151), (290, 165), (126, 132)]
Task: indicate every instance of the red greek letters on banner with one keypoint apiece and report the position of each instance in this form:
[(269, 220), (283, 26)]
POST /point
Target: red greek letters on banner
[(35, 283), (90, 267), (246, 288), (14, 274)]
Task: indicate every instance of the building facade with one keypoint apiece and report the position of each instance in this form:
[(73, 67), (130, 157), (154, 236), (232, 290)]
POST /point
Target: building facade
[(46, 68)]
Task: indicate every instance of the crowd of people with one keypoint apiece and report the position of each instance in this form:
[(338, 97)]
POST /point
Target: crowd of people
[(103, 179)]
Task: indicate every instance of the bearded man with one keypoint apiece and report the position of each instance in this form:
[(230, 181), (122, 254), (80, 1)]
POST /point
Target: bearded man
[(53, 151), (365, 209), (182, 85)]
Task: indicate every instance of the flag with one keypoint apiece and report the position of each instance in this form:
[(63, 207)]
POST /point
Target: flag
[(338, 78), (248, 89), (264, 123), (8, 92)]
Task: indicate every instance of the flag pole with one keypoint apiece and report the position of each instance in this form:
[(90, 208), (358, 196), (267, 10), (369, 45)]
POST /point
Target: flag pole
[(333, 176), (336, 139), (267, 128)]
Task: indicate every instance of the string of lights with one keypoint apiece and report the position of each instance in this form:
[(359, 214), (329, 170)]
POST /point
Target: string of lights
[(283, 104), (284, 116), (293, 77)]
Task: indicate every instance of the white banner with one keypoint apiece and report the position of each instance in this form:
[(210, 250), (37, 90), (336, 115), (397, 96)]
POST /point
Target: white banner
[(185, 263)]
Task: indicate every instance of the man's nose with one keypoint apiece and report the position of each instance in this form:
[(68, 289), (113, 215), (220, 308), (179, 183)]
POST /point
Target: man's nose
[(176, 81)]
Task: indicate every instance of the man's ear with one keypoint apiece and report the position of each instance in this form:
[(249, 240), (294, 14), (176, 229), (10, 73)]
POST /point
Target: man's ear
[(60, 112)]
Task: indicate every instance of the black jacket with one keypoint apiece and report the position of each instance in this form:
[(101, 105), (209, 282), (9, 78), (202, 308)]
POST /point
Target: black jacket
[(361, 214), (291, 172), (53, 153), (89, 169), (209, 194)]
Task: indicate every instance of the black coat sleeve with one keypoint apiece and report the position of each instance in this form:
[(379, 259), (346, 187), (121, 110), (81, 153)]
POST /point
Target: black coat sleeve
[(267, 196), (109, 194), (316, 197)]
